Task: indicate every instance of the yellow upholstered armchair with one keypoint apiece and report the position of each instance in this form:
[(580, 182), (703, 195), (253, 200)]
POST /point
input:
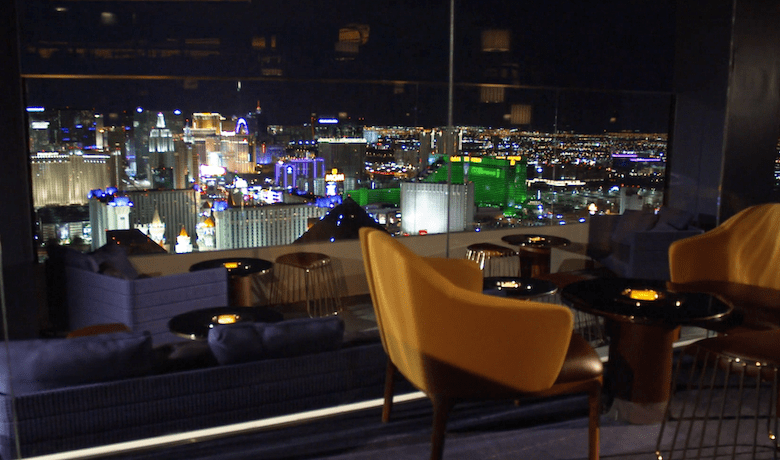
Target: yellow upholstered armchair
[(453, 342), (744, 249), (739, 260)]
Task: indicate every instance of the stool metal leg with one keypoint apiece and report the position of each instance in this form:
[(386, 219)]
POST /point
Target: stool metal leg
[(731, 436), (307, 278)]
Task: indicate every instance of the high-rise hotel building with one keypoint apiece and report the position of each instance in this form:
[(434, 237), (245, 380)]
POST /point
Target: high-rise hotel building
[(424, 207), (67, 156), (176, 208), (204, 135), (347, 155), (236, 148), (219, 143), (246, 227), (66, 178)]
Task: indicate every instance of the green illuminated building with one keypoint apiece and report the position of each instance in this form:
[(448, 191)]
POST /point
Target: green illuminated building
[(498, 183), (365, 196)]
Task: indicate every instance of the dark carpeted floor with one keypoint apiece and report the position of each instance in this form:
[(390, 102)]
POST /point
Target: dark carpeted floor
[(549, 429), (545, 429)]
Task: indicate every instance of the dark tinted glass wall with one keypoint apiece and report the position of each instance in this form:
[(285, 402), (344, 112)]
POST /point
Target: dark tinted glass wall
[(385, 62)]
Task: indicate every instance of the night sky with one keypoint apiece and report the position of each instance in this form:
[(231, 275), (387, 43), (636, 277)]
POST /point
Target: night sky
[(609, 46)]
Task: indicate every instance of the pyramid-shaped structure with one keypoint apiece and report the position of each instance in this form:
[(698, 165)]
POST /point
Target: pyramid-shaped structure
[(342, 223)]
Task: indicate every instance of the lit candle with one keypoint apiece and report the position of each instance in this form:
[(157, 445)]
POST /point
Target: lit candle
[(226, 319), (643, 294)]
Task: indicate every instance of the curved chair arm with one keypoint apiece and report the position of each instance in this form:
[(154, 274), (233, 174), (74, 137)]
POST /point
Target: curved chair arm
[(461, 272)]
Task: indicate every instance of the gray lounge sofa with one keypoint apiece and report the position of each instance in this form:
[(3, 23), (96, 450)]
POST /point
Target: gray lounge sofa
[(104, 287), (635, 244), (319, 371)]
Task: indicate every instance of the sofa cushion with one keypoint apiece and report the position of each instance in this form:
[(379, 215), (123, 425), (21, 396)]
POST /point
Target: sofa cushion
[(243, 342), (44, 364)]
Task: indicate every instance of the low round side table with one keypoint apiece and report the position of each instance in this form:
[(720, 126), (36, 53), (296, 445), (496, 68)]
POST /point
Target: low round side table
[(519, 288), (195, 325), (642, 320), (535, 252), (242, 271)]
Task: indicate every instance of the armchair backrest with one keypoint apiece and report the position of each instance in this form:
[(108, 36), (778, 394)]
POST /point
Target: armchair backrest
[(432, 328), (464, 273), (744, 249)]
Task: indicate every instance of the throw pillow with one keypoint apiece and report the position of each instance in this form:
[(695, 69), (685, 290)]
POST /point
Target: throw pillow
[(302, 336), (181, 356), (663, 227), (112, 260), (631, 222), (674, 218), (45, 364), (236, 343), (242, 342), (78, 259)]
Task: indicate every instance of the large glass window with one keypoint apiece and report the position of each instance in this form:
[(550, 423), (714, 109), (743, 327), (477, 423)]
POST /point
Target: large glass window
[(236, 125), (213, 96)]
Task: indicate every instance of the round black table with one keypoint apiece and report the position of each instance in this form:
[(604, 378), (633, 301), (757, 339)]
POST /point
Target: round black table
[(195, 325), (642, 321), (521, 288), (535, 252), (239, 270)]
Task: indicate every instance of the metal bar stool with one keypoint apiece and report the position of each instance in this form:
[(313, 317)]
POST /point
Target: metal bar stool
[(307, 277), (726, 403), (493, 259)]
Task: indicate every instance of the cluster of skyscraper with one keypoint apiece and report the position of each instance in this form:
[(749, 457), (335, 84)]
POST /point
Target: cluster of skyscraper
[(227, 183)]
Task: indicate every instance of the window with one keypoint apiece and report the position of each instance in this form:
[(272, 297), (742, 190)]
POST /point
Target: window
[(193, 105)]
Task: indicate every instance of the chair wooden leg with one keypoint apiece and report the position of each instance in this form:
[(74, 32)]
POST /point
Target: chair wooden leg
[(389, 384), (594, 413), (441, 411)]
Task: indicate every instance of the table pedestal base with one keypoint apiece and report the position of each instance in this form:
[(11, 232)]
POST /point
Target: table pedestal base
[(639, 372), (534, 261), (637, 413)]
